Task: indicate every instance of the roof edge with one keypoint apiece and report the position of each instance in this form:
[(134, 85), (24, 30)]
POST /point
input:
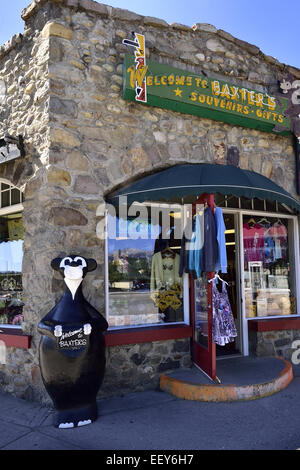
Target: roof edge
[(126, 15)]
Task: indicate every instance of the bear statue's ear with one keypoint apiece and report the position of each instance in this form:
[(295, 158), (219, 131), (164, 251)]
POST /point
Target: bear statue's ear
[(91, 264), (55, 263)]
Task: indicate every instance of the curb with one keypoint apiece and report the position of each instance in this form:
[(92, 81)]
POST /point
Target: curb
[(225, 393)]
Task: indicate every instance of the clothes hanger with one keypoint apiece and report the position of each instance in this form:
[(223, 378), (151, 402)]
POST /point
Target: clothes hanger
[(217, 277), (167, 249), (263, 220), (251, 221)]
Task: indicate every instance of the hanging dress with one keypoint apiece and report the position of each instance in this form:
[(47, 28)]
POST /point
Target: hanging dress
[(223, 326)]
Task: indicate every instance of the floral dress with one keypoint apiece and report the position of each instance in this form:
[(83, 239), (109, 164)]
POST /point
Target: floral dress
[(223, 326)]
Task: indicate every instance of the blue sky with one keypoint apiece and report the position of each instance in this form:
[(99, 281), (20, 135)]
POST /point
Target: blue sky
[(272, 25)]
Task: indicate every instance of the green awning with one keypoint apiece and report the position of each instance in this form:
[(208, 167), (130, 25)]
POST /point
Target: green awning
[(196, 179)]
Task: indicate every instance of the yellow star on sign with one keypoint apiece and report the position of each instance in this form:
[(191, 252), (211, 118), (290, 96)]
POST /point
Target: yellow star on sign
[(177, 92)]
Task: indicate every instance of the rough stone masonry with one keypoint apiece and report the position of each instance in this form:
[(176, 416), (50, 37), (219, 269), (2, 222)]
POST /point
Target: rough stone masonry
[(61, 88)]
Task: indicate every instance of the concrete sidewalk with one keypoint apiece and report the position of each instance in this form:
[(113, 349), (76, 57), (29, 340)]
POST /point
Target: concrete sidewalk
[(155, 420)]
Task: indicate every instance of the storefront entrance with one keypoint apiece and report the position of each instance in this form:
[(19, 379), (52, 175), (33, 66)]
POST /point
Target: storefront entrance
[(260, 282), (149, 290), (205, 351), (232, 279)]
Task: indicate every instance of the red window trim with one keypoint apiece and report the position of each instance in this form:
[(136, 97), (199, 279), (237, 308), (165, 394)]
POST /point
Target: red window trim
[(274, 324), (15, 338), (147, 334)]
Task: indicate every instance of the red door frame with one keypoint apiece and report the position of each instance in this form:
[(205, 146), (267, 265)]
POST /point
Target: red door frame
[(205, 358)]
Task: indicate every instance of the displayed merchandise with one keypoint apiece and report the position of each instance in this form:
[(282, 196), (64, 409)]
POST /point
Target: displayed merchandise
[(192, 237), (221, 264), (166, 284), (165, 270), (206, 250), (196, 246), (184, 255), (253, 235), (267, 269), (278, 233), (264, 242), (223, 325), (168, 298), (15, 229), (210, 246)]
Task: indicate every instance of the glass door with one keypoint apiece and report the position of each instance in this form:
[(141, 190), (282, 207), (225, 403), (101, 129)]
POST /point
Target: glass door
[(232, 277), (202, 348)]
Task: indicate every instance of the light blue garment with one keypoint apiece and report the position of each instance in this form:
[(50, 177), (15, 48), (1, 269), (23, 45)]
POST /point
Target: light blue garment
[(221, 264), (195, 246)]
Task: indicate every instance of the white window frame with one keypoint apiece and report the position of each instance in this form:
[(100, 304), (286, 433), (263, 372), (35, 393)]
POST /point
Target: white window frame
[(241, 289), (185, 293), (5, 211)]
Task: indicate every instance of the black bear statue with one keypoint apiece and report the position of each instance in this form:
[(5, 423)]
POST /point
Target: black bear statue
[(72, 348)]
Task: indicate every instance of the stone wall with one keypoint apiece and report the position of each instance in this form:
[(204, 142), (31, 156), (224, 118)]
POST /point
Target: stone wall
[(24, 110), (273, 343), (63, 92), (139, 366)]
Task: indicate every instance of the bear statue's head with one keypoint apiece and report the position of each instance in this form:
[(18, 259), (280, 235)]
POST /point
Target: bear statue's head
[(73, 268)]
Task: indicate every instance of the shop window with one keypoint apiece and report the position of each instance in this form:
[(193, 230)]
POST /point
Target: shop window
[(144, 286), (269, 266), (11, 255), (9, 195)]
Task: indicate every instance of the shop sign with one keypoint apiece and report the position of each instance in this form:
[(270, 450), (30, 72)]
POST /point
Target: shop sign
[(180, 90), (74, 339)]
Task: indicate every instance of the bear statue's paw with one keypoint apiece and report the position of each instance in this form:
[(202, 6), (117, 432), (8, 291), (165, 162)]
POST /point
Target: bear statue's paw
[(72, 425), (87, 329), (66, 425), (84, 422), (58, 331), (76, 416)]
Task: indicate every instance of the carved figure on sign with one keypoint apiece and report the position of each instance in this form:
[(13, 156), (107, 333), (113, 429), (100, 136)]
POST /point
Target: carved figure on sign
[(290, 88), (140, 69)]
